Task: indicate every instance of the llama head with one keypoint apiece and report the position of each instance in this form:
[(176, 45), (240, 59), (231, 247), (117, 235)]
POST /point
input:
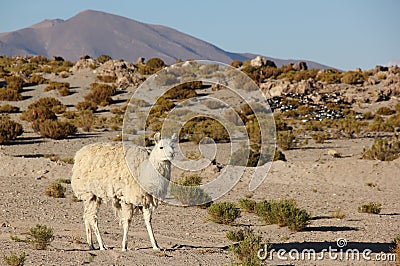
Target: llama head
[(164, 148)]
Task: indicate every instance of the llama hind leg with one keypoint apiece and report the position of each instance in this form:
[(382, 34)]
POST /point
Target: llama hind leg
[(126, 218), (91, 221), (147, 213)]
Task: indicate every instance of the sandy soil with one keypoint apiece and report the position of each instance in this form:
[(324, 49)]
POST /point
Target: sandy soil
[(318, 182)]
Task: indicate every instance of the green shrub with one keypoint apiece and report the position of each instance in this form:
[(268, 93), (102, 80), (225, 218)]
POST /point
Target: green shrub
[(371, 207), (200, 127), (247, 205), (223, 212), (55, 190), (330, 76), (55, 129), (15, 260), (247, 249), (10, 95), (284, 213), (236, 235), (186, 191), (285, 140), (279, 155), (9, 109), (9, 129), (40, 236), (383, 150)]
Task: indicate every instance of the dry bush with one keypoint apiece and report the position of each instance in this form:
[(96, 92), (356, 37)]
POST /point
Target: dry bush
[(55, 129), (10, 95), (7, 108), (107, 78), (385, 111), (15, 260), (200, 127), (371, 207), (352, 77), (86, 106), (36, 79), (61, 87), (186, 191), (55, 190), (100, 94), (85, 120), (51, 103), (286, 140), (246, 250), (15, 83), (103, 58), (383, 150), (9, 129), (184, 91), (38, 113)]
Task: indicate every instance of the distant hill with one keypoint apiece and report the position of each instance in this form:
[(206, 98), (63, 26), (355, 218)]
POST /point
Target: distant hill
[(95, 33)]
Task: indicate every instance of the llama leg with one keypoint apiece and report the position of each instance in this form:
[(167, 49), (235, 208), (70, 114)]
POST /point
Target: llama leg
[(147, 212), (126, 218), (90, 216), (88, 228)]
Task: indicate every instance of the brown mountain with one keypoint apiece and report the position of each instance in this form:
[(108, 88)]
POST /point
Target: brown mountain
[(95, 33)]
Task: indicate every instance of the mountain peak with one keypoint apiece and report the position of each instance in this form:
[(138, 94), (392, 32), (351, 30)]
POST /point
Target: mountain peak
[(47, 23)]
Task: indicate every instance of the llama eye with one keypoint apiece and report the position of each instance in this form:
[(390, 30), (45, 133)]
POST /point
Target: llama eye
[(161, 148)]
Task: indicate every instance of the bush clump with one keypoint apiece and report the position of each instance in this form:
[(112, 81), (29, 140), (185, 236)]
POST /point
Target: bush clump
[(10, 95), (201, 127), (7, 108), (286, 140), (40, 236), (246, 250), (103, 58), (371, 207), (383, 150), (36, 80), (223, 212), (51, 103), (15, 83), (107, 78), (187, 192), (100, 94), (55, 190), (352, 77), (385, 111), (61, 87), (55, 129), (14, 259), (38, 113), (247, 205), (9, 129), (284, 213)]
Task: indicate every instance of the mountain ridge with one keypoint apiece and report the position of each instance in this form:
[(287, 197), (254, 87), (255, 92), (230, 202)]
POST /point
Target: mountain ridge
[(95, 33)]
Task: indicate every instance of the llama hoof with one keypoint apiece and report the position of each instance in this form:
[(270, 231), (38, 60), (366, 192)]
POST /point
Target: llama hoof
[(156, 248), (91, 247)]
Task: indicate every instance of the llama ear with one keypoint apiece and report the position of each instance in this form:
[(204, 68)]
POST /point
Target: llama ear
[(174, 137), (157, 137)]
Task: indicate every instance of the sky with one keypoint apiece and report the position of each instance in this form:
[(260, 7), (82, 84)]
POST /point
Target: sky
[(344, 34)]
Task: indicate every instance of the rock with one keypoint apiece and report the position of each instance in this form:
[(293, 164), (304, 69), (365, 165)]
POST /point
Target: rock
[(334, 154), (140, 61), (84, 63), (300, 66), (260, 61)]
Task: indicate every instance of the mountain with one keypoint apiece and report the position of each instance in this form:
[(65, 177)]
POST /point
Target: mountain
[(95, 33)]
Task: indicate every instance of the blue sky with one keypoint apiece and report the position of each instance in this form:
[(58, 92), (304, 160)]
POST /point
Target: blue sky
[(341, 33)]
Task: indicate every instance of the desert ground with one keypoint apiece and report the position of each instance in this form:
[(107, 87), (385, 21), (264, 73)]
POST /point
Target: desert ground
[(319, 182)]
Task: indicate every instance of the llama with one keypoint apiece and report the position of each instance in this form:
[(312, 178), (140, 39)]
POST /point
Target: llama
[(109, 172)]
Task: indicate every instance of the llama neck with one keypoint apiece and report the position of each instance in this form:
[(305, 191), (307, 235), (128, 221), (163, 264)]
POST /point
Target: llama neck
[(162, 167)]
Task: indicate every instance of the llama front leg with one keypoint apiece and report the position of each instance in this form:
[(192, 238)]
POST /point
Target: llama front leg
[(126, 218), (147, 213)]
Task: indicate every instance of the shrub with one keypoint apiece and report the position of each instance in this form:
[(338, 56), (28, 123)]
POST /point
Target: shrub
[(223, 212), (81, 106), (383, 150), (103, 58), (184, 91), (187, 192), (40, 236), (247, 205), (9, 129), (279, 155), (51, 103), (284, 213), (246, 251), (285, 140), (397, 107), (352, 77), (394, 120), (15, 260), (235, 236), (59, 86), (55, 129), (9, 109), (85, 120), (55, 190), (100, 94), (385, 111), (107, 78), (15, 83), (200, 127), (318, 137), (155, 64), (36, 79), (9, 95), (371, 207), (38, 113), (338, 214), (330, 76)]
